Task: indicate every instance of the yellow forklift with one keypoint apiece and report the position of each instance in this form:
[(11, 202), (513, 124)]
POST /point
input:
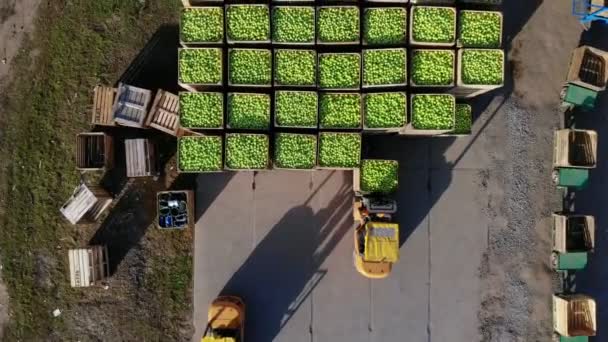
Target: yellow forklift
[(574, 317), (574, 154), (226, 320), (376, 237)]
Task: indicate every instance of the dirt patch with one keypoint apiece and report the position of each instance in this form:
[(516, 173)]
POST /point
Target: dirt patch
[(16, 23)]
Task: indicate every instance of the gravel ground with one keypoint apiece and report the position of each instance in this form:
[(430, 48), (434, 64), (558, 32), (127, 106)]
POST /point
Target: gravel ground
[(517, 279)]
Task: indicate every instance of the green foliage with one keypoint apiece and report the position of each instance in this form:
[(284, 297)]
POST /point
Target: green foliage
[(339, 150), (480, 29), (385, 25), (200, 66), (379, 176), (296, 108), (295, 151), (250, 66), (433, 67), (384, 110), (433, 111), (246, 151), (293, 24), (339, 70), (433, 24), (464, 119), (205, 24), (484, 67), (384, 67), (201, 110), (295, 67), (340, 110), (248, 23), (338, 24), (198, 153), (248, 111)]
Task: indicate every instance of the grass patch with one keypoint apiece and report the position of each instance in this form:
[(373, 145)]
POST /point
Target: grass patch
[(78, 44)]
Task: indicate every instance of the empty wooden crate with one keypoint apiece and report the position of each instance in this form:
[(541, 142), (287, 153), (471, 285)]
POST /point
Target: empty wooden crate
[(140, 154), (94, 151), (86, 204), (88, 266), (131, 107), (164, 114), (103, 105)]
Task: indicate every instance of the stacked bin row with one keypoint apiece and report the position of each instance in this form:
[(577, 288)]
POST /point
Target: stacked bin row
[(253, 69)]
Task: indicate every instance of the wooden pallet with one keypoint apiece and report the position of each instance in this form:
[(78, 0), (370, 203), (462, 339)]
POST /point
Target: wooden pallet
[(140, 157), (131, 106), (94, 151), (103, 103), (164, 115)]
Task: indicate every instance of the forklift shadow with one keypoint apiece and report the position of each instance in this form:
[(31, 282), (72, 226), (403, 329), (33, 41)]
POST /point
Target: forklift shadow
[(292, 255)]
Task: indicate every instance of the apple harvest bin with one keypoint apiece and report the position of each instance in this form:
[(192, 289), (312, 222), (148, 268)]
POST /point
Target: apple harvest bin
[(383, 129), (463, 90), (411, 130)]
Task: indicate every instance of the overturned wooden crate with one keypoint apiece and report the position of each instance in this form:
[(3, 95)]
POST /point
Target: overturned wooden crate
[(164, 114), (131, 107), (103, 105), (140, 156), (94, 151), (86, 204), (88, 266)]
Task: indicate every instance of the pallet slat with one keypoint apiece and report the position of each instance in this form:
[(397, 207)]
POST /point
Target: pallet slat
[(164, 114)]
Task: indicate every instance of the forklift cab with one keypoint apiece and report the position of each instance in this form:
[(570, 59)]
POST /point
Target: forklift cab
[(574, 153), (574, 317), (573, 240), (587, 77), (226, 320), (376, 237)]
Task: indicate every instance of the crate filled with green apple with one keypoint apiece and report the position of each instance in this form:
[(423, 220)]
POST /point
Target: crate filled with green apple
[(295, 151), (245, 151), (384, 112), (432, 26), (339, 151), (293, 25)]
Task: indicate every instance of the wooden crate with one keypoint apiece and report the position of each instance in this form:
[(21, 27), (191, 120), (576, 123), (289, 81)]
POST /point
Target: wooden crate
[(164, 114), (88, 266), (131, 106), (140, 156), (86, 204), (190, 208), (103, 104), (94, 151)]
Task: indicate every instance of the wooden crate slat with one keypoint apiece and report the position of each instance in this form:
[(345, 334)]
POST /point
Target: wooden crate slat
[(164, 114)]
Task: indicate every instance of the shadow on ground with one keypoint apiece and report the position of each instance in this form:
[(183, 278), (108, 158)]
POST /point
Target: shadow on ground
[(296, 267)]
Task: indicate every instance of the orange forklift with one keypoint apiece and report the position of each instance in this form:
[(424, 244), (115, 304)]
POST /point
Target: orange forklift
[(226, 320)]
